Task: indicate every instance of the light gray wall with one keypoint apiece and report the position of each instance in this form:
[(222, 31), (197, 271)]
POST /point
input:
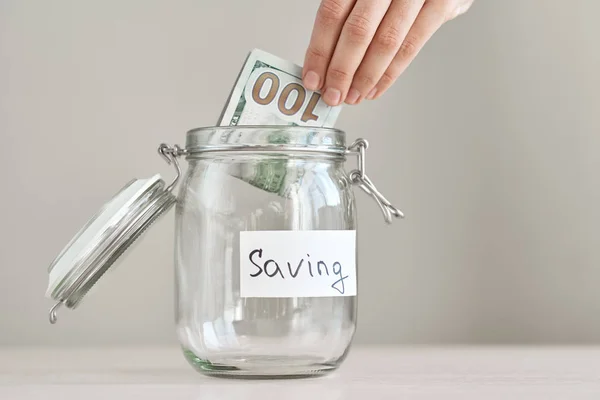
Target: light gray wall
[(490, 143)]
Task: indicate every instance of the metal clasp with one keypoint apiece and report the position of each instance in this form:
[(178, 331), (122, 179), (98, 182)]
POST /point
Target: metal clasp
[(170, 154), (52, 313), (360, 178)]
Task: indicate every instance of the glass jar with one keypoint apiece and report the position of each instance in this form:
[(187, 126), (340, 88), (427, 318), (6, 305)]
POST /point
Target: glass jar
[(265, 247)]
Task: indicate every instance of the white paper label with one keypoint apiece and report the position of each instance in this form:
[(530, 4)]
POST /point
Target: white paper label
[(297, 263)]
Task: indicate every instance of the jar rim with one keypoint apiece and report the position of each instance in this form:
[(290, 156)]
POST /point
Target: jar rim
[(266, 138)]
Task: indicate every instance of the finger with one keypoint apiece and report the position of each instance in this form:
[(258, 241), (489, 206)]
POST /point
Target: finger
[(460, 8), (431, 17), (354, 40), (386, 43), (326, 32)]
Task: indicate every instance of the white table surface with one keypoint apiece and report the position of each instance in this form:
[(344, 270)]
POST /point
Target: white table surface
[(398, 373)]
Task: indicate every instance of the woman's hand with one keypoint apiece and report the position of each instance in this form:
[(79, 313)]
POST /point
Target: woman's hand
[(358, 48)]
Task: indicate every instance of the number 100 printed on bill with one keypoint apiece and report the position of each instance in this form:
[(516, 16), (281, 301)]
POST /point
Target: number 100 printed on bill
[(269, 91)]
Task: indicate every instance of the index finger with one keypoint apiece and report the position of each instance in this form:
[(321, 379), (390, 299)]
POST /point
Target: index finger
[(328, 25)]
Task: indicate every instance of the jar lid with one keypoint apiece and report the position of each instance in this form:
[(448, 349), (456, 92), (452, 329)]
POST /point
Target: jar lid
[(107, 236)]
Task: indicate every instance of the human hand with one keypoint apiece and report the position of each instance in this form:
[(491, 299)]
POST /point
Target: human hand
[(359, 48)]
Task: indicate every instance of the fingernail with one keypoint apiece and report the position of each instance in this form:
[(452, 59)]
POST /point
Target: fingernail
[(353, 96), (372, 94), (311, 80), (332, 96)]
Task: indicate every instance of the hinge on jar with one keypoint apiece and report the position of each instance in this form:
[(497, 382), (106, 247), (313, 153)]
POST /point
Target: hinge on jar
[(170, 154), (359, 177)]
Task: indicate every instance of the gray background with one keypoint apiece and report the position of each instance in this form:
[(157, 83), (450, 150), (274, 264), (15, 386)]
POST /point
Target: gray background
[(490, 143)]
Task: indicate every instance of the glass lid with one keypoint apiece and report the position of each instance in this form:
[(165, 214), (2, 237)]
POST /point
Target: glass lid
[(108, 235)]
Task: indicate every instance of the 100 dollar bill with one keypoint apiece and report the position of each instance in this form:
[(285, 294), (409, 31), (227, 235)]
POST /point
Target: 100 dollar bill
[(269, 91)]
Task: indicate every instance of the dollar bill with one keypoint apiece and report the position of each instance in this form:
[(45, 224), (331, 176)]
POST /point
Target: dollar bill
[(269, 91)]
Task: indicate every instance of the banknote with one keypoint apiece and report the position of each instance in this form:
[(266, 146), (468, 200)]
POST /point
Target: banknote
[(269, 91)]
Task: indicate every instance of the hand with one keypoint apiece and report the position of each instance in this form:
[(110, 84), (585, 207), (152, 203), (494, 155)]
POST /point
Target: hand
[(359, 48)]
